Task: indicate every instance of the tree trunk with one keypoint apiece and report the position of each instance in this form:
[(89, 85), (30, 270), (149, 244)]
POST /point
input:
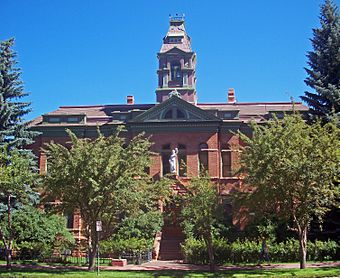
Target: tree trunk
[(8, 246), (92, 248), (92, 258), (209, 243), (303, 246)]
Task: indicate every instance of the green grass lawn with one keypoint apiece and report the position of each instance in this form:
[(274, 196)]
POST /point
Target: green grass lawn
[(311, 272)]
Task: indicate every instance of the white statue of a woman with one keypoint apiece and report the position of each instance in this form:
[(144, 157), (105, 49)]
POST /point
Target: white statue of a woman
[(173, 161)]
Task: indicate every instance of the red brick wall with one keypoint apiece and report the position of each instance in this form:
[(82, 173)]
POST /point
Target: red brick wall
[(191, 141)]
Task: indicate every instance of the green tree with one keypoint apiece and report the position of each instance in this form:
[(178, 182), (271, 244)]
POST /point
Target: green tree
[(39, 234), (105, 179), (201, 212), (290, 168), (13, 129), (324, 65), (17, 180)]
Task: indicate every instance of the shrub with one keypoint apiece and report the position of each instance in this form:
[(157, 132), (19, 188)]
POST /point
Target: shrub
[(195, 251), (116, 248)]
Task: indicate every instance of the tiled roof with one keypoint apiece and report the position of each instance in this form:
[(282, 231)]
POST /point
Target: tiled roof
[(102, 114), (253, 108), (95, 114), (176, 30)]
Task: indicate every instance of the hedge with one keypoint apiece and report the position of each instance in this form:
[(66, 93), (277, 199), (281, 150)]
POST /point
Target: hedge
[(247, 251), (115, 248)]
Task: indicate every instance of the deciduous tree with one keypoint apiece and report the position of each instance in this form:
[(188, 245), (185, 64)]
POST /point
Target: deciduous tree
[(291, 167), (103, 178), (18, 177), (201, 212)]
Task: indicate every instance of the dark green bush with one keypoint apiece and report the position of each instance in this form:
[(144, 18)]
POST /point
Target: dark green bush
[(117, 247), (247, 251)]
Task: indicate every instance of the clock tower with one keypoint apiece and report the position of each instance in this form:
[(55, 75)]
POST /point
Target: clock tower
[(177, 63)]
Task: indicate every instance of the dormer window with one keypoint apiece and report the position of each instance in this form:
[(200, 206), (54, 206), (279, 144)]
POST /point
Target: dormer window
[(54, 120), (65, 119), (174, 40), (72, 119)]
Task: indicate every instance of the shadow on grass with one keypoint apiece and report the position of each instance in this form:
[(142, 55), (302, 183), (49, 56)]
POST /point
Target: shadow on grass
[(24, 271)]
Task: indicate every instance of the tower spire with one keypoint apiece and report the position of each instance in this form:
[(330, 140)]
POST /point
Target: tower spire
[(177, 63)]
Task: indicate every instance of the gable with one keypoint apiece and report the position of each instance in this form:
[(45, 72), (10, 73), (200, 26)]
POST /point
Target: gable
[(175, 49), (175, 109)]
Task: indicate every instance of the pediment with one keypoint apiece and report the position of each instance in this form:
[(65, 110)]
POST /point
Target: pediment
[(175, 109), (175, 50)]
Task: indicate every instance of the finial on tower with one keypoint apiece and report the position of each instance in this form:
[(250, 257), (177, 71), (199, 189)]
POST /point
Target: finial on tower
[(177, 18)]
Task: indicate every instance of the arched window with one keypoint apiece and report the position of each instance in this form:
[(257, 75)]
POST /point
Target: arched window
[(166, 151), (226, 161), (180, 114), (203, 158), (182, 160), (168, 114), (174, 113)]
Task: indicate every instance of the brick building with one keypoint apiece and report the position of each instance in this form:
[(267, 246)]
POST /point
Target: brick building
[(204, 133)]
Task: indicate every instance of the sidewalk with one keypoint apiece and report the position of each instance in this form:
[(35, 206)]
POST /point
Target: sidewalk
[(179, 265)]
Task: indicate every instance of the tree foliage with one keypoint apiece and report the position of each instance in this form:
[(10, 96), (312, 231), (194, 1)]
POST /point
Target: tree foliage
[(38, 234), (104, 178), (201, 212), (13, 129), (324, 65), (18, 179), (291, 167)]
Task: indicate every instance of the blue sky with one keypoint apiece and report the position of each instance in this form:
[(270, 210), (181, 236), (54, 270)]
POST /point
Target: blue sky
[(98, 52)]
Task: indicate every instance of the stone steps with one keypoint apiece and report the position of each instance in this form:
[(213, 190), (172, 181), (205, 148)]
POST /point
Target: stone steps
[(170, 249)]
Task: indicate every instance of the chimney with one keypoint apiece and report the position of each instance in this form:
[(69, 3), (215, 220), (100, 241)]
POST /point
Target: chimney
[(130, 100), (231, 95)]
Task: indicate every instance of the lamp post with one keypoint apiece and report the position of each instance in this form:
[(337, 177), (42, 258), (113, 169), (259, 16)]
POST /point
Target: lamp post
[(98, 230)]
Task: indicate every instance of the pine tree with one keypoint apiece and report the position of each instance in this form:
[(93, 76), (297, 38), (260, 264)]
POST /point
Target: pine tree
[(13, 129), (324, 65)]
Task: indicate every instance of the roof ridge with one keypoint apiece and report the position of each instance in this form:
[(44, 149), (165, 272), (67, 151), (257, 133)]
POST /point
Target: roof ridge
[(247, 103), (105, 105)]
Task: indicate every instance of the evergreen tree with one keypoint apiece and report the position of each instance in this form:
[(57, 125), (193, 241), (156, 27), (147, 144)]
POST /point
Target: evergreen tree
[(324, 65), (13, 129)]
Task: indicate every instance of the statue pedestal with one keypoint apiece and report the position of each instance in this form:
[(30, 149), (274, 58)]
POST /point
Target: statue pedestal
[(173, 176)]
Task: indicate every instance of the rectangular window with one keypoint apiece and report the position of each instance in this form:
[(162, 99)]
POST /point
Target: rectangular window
[(226, 164), (203, 162), (73, 119), (165, 164), (54, 120), (69, 220), (182, 161), (185, 79)]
